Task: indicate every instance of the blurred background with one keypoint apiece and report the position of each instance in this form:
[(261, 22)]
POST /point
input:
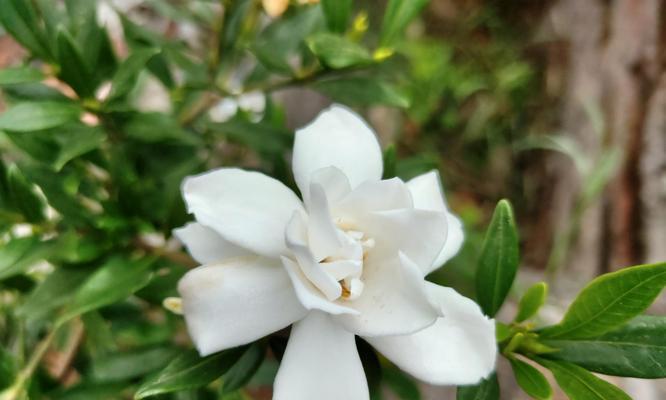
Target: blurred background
[(557, 105)]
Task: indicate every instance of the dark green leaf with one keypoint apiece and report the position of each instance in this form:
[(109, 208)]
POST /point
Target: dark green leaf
[(337, 51), (157, 127), (135, 363), (128, 72), (33, 116), (609, 301), (234, 19), (7, 368), (398, 14), (337, 13), (579, 384), (390, 162), (402, 385), (371, 366), (362, 91), (56, 290), (117, 279), (73, 68), (498, 262), (637, 349), (20, 19), (245, 368), (531, 380), (25, 197), (532, 301), (260, 137), (10, 76), (19, 254), (488, 389), (189, 371)]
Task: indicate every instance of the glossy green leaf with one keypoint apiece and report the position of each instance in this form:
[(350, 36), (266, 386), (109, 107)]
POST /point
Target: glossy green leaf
[(33, 116), (498, 262), (25, 197), (19, 254), (579, 384), (126, 76), (637, 349), (531, 380), (189, 371), (73, 68), (117, 279), (532, 301), (487, 389), (12, 76), (398, 14), (55, 291), (362, 91), (337, 51), (120, 366), (609, 301), (337, 13), (243, 370)]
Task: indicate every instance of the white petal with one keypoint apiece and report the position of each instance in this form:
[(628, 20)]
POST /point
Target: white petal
[(427, 193), (389, 194), (296, 238), (237, 302), (309, 295), (394, 300), (419, 234), (321, 362), (322, 233), (338, 137), (459, 349), (334, 182), (207, 246), (246, 208)]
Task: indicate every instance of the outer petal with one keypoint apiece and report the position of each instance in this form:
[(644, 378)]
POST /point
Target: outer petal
[(427, 193), (394, 300), (246, 208), (321, 362), (337, 137), (459, 349), (389, 194), (206, 245), (419, 234), (237, 302)]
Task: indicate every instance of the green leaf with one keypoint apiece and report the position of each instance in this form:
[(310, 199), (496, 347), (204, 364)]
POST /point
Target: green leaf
[(532, 301), (531, 380), (637, 349), (337, 13), (34, 116), (609, 301), (17, 255), (402, 385), (579, 384), (57, 289), (8, 368), (20, 19), (488, 389), (12, 76), (117, 279), (261, 137), (338, 52), (361, 91), (73, 68), (126, 76), (498, 262), (398, 14), (131, 364), (390, 162), (25, 197), (189, 371), (245, 368)]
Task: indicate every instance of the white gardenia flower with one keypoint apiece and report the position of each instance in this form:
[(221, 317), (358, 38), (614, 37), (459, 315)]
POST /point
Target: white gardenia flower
[(350, 259)]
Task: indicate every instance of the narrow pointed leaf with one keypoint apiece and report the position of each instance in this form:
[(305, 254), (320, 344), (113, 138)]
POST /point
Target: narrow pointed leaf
[(610, 301), (12, 76), (579, 384), (337, 13), (73, 68), (531, 380), (338, 52), (532, 301), (25, 197), (637, 349), (244, 368), (33, 116), (498, 262), (128, 72), (361, 91), (487, 389), (396, 18)]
